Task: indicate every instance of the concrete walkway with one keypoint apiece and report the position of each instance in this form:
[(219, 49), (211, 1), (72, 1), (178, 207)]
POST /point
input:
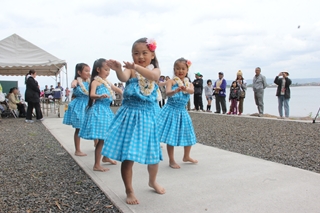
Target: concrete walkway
[(222, 181)]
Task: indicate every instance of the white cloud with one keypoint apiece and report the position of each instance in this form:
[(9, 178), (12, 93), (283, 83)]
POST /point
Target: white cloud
[(216, 36)]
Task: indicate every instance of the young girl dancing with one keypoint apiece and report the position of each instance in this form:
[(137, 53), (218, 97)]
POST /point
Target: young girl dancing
[(76, 109), (133, 134), (234, 97), (174, 123), (98, 114)]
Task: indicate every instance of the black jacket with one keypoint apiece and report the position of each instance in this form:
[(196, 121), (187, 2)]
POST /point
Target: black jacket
[(198, 86), (278, 81), (32, 91)]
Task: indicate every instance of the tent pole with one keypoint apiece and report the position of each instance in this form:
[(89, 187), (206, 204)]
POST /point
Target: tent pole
[(66, 75)]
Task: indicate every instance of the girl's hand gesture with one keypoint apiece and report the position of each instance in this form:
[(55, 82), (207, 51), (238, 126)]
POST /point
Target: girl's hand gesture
[(113, 64), (129, 65), (177, 90), (104, 96), (183, 88)]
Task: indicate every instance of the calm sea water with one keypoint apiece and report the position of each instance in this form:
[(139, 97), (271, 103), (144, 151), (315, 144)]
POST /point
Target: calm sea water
[(304, 101)]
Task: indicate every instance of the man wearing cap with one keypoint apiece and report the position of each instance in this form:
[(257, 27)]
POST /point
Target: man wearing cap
[(283, 93), (220, 94), (198, 89), (259, 83)]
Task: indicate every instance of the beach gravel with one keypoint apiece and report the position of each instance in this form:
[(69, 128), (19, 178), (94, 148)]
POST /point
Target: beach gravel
[(288, 142), (38, 175)]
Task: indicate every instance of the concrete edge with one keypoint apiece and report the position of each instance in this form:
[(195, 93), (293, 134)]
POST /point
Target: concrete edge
[(116, 200)]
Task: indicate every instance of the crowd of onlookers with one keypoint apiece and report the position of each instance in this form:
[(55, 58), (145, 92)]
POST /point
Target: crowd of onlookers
[(217, 92), (213, 92)]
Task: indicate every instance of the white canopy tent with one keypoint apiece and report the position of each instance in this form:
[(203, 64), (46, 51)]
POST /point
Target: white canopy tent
[(18, 56)]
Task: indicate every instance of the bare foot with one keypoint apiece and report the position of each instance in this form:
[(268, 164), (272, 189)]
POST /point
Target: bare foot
[(174, 165), (81, 154), (131, 199), (191, 160), (159, 189), (106, 160), (100, 169)]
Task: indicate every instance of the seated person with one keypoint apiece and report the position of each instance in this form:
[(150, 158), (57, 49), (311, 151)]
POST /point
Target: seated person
[(15, 103), (47, 91)]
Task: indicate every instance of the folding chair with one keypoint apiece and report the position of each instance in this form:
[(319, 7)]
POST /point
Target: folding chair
[(7, 111)]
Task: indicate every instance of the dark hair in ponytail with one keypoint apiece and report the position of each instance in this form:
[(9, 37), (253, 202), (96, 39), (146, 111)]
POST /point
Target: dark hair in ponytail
[(31, 72), (79, 67), (154, 61), (97, 64)]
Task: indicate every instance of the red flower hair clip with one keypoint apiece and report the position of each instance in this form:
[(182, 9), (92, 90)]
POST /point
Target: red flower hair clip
[(189, 63), (152, 44)]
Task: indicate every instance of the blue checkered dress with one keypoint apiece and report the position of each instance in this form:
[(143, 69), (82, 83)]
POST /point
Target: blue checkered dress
[(174, 123), (133, 132), (76, 109), (98, 117)]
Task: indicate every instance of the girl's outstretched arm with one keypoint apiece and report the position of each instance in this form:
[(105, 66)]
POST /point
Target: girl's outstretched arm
[(169, 90), (123, 76), (190, 89), (153, 75), (93, 94)]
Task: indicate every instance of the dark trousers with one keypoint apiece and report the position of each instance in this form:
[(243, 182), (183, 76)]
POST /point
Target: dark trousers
[(240, 106), (21, 109), (221, 100), (161, 103), (234, 106), (35, 105), (197, 101)]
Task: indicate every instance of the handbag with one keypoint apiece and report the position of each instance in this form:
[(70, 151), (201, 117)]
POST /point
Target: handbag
[(242, 94)]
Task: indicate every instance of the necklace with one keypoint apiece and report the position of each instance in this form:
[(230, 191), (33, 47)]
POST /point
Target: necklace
[(106, 83), (147, 86), (180, 83), (80, 82)]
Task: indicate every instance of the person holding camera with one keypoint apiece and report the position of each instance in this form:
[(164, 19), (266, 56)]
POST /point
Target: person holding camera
[(283, 93)]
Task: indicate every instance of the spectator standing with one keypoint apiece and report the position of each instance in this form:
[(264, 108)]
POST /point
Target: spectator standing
[(234, 97), (283, 93), (32, 96), (162, 87), (208, 91), (58, 92), (198, 89), (259, 84), (243, 87), (67, 94), (220, 94), (188, 104)]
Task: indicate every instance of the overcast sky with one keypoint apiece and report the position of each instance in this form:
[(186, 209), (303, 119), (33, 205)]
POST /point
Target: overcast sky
[(226, 36)]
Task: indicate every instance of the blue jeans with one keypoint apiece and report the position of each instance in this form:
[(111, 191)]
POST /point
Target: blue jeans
[(283, 102)]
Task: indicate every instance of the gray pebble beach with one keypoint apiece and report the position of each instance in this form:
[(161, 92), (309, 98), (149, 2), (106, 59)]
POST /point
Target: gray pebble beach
[(292, 143), (38, 175)]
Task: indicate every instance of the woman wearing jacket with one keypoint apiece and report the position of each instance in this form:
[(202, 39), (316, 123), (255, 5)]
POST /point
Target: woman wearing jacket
[(283, 93), (32, 96), (15, 103)]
